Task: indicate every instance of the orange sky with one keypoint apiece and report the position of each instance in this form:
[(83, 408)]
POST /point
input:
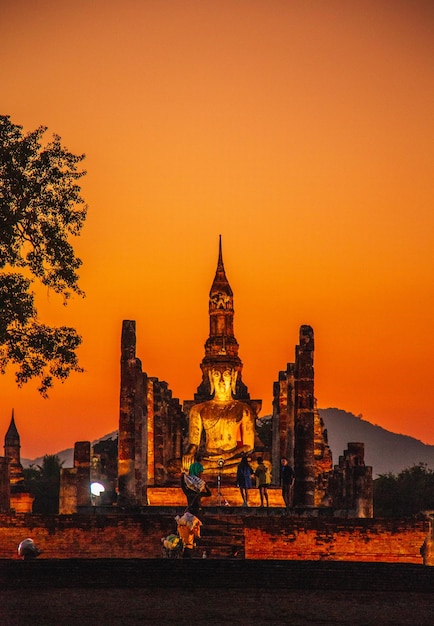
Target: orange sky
[(301, 131)]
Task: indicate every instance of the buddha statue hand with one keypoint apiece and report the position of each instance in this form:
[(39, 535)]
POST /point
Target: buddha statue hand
[(187, 460)]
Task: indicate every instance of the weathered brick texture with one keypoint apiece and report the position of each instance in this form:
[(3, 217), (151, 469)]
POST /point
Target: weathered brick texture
[(86, 536), (139, 536), (338, 540)]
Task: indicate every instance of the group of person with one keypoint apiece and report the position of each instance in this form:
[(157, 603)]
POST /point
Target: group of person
[(245, 476), (195, 487)]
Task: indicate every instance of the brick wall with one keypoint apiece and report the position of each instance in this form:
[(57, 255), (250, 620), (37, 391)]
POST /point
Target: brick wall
[(86, 536), (268, 537), (332, 539)]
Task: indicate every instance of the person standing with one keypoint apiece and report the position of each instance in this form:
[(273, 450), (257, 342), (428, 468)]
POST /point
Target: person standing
[(287, 479), (194, 486), (244, 478), (261, 480)]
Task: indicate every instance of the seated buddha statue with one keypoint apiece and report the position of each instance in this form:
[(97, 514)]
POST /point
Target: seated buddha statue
[(228, 424)]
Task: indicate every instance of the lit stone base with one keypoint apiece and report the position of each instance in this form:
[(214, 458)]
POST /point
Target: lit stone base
[(174, 496), (21, 502)]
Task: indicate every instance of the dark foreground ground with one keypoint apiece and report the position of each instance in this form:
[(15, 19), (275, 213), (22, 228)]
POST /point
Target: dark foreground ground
[(206, 591)]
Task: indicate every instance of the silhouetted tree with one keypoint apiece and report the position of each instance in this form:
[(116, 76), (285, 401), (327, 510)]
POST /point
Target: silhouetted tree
[(405, 494), (40, 208), (43, 482)]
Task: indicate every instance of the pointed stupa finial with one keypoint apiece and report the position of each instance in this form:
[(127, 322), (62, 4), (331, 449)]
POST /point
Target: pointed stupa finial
[(220, 284), (12, 437), (220, 259)]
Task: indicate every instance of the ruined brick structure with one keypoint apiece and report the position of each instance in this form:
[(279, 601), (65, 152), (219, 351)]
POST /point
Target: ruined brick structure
[(221, 347), (298, 430), (20, 499), (97, 463), (150, 427), (153, 428), (350, 486), (75, 481), (104, 468), (152, 424), (299, 434), (5, 487)]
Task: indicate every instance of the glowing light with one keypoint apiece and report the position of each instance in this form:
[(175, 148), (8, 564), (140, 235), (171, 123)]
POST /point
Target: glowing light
[(97, 489)]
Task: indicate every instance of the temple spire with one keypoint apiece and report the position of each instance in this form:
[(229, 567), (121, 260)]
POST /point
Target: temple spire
[(221, 312), (12, 452), (12, 437), (221, 291), (221, 347)]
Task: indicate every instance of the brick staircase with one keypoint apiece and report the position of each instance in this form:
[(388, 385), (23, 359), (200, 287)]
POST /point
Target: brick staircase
[(221, 538)]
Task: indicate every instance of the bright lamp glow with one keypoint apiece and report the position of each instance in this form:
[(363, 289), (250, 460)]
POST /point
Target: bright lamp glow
[(97, 489)]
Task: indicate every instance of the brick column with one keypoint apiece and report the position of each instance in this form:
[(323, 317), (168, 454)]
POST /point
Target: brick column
[(304, 427), (131, 433), (283, 420), (82, 467), (4, 485)]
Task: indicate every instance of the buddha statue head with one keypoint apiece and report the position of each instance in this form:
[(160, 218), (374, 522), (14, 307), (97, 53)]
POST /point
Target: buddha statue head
[(223, 381)]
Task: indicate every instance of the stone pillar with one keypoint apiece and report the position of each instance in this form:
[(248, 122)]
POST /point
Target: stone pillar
[(361, 478), (283, 420), (150, 423), (132, 401), (82, 467), (141, 440), (4, 485), (278, 401), (68, 491), (304, 423)]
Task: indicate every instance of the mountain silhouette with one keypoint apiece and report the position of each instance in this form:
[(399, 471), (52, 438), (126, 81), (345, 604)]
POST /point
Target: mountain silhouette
[(385, 451), (66, 457)]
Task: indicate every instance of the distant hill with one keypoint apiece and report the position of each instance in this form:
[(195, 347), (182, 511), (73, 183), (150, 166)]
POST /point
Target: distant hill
[(384, 451), (65, 456)]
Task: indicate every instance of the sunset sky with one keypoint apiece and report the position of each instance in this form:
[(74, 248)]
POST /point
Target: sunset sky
[(301, 131)]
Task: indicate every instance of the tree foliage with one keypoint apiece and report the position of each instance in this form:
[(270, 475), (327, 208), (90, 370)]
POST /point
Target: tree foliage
[(43, 482), (40, 209), (405, 494)]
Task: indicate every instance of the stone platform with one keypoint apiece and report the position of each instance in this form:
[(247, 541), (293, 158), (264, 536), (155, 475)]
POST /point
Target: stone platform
[(173, 496)]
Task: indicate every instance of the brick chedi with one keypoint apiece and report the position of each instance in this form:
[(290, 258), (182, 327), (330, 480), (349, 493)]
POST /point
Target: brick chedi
[(221, 347), (222, 417), (12, 452), (20, 499)]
